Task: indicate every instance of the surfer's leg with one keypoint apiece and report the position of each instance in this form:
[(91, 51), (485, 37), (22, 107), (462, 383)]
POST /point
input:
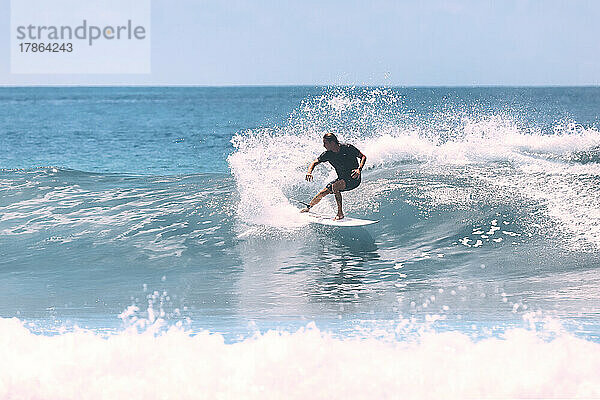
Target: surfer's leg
[(337, 187), (317, 199)]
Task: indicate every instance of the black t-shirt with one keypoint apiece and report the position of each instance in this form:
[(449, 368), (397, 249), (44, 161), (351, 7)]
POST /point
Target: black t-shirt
[(343, 161)]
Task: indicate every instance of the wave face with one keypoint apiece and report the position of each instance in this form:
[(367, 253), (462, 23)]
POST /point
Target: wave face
[(471, 198), (486, 253)]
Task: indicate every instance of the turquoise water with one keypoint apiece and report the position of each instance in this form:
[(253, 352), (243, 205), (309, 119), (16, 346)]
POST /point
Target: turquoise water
[(158, 208)]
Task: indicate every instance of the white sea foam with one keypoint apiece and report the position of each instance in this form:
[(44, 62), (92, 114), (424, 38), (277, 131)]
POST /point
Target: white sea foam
[(308, 363), (266, 165)]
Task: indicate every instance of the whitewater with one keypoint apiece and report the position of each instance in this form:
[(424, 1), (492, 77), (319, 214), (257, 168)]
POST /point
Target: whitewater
[(149, 247)]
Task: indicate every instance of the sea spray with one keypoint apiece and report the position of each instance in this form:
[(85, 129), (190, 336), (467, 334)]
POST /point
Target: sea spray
[(179, 363)]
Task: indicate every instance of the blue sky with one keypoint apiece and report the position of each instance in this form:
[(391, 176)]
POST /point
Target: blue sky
[(416, 43)]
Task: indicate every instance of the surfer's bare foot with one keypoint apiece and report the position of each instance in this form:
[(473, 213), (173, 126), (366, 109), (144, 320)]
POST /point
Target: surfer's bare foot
[(338, 217), (305, 210)]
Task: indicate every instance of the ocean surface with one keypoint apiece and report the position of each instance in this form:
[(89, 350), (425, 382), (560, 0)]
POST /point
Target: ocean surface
[(150, 246)]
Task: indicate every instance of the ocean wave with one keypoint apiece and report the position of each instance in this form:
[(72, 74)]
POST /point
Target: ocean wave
[(306, 363), (478, 209), (158, 213), (491, 156)]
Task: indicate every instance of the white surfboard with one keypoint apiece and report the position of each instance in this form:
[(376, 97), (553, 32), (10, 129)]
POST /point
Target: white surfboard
[(329, 221)]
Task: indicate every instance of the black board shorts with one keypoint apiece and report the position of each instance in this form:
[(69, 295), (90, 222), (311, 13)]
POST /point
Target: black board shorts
[(351, 183)]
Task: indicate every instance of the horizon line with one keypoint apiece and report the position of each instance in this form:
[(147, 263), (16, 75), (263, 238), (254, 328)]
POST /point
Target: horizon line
[(300, 85)]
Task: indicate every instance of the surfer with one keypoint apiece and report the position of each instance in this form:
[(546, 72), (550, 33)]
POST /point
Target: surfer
[(343, 157)]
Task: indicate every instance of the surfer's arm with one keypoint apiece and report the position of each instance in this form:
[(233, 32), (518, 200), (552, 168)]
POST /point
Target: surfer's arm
[(312, 166), (363, 160)]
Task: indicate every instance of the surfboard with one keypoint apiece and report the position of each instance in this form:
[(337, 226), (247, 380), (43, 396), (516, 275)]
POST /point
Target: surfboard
[(329, 221)]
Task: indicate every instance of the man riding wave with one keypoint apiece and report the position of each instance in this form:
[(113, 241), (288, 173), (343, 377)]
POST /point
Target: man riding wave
[(343, 157)]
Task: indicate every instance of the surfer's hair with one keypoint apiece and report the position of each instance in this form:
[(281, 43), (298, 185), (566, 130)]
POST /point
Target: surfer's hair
[(330, 137)]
